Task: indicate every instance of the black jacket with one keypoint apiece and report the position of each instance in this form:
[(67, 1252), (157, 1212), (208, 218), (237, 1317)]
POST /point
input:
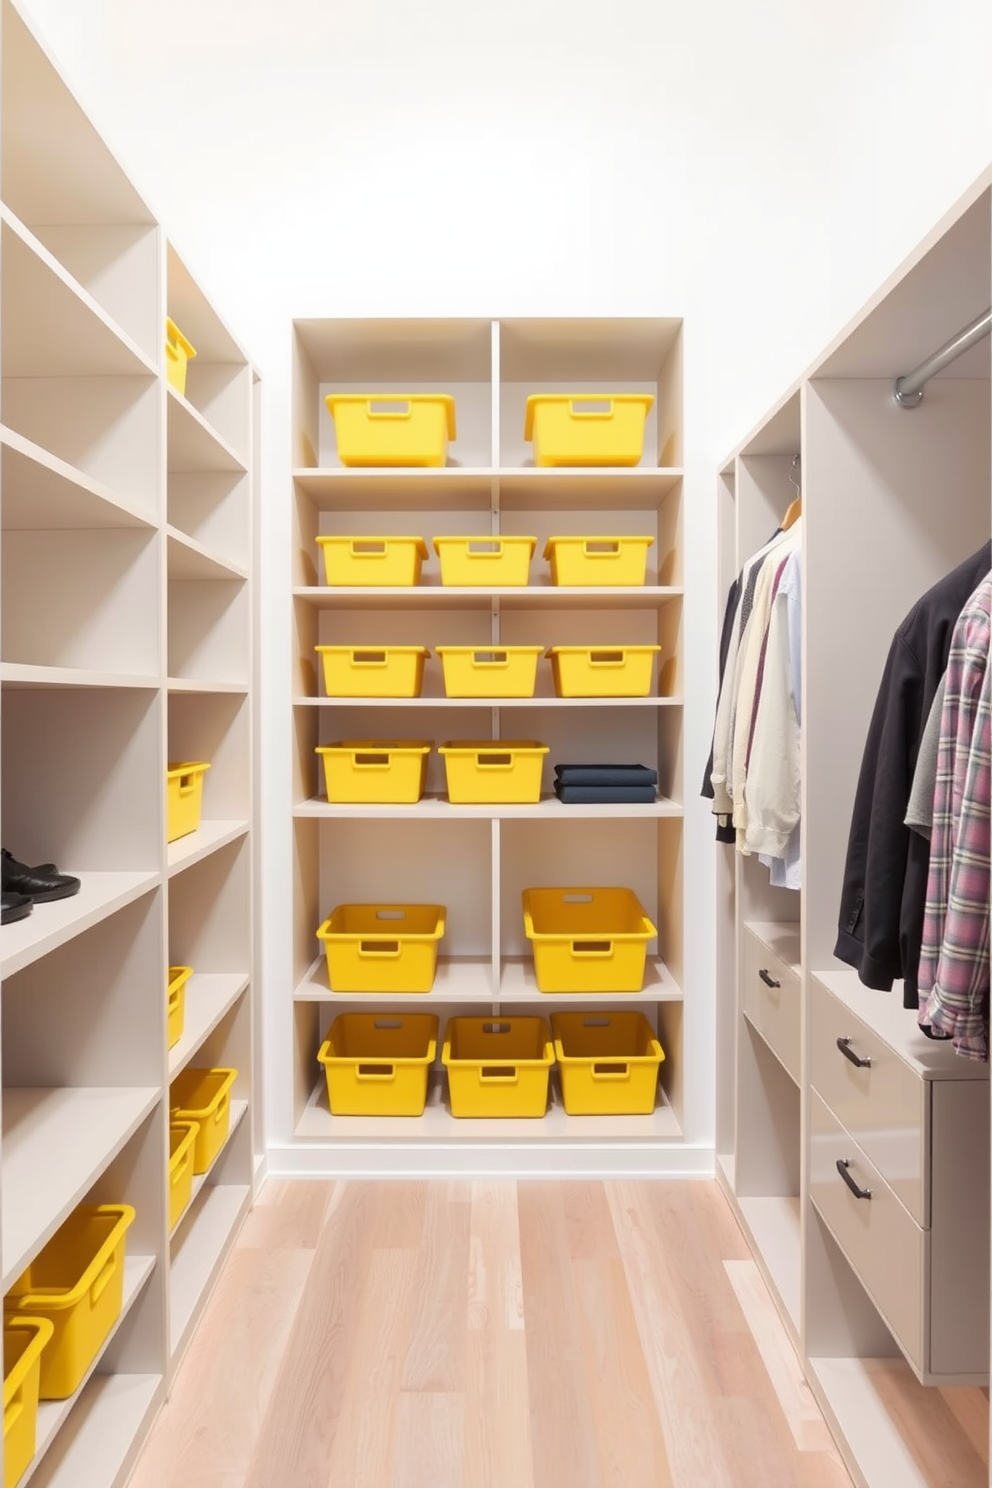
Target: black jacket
[(885, 877)]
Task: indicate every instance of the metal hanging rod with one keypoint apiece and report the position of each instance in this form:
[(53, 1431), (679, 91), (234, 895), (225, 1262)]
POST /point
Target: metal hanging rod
[(908, 391)]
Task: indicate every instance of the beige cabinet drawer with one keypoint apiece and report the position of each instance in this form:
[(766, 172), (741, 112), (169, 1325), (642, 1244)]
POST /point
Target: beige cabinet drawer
[(771, 996), (884, 1244), (883, 1103)]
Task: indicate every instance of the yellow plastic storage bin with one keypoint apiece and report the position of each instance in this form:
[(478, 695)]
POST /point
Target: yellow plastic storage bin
[(498, 1066), (608, 1063), (392, 428), (178, 977), (373, 671), (356, 562), (378, 1064), (493, 772), (489, 671), (602, 671), (382, 947), (77, 1283), (178, 352), (24, 1338), (182, 1156), (184, 798), (204, 1096), (587, 428), (375, 771), (592, 561), (485, 562), (587, 940)]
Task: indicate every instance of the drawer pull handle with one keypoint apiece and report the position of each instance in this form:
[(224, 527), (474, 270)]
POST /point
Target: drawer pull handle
[(769, 981), (843, 1164), (844, 1045)]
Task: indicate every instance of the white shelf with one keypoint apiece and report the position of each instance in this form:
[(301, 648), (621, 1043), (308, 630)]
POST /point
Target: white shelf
[(40, 491), (56, 1143), (487, 703), (21, 674), (52, 1413), (194, 445), (189, 559), (337, 488), (197, 684), (520, 597), (99, 1436), (209, 997), (49, 926), (461, 979), (437, 1125), (435, 808), (186, 1221), (782, 938), (207, 1237), (209, 838), (517, 984), (773, 1226)]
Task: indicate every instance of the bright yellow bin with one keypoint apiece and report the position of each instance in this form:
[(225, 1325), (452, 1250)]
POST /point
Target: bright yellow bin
[(587, 428), (178, 977), (375, 771), (182, 1156), (24, 1338), (492, 772), (498, 1066), (485, 562), (608, 1063), (178, 352), (592, 561), (587, 940), (378, 1064), (373, 671), (489, 671), (356, 562), (602, 671), (382, 947), (184, 798), (392, 428), (77, 1283), (204, 1096)]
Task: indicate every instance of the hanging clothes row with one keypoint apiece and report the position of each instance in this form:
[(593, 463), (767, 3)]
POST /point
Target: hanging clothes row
[(753, 775)]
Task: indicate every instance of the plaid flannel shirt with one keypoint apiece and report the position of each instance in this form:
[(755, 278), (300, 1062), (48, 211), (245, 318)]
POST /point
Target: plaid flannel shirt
[(954, 962)]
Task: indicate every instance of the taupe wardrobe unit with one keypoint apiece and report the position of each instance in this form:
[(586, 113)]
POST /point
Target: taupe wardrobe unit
[(887, 1297)]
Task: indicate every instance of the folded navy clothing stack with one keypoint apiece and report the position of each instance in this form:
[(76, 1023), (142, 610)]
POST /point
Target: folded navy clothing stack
[(604, 784)]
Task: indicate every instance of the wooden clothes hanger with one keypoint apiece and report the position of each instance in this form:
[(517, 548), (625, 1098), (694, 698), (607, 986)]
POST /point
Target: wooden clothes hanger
[(795, 508)]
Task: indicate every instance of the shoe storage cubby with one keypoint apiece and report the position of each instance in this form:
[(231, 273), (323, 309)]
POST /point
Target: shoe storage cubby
[(475, 859), (126, 555)]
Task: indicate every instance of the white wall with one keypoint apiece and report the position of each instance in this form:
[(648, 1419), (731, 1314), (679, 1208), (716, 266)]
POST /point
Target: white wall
[(757, 168)]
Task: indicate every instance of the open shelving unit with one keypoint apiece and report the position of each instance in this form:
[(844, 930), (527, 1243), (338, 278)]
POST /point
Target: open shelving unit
[(127, 552), (477, 859)]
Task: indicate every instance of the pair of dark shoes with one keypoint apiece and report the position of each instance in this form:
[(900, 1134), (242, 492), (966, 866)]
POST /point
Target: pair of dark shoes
[(23, 887)]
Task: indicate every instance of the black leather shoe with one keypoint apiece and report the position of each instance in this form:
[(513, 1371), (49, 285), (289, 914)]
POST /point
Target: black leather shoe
[(39, 884), (14, 907)]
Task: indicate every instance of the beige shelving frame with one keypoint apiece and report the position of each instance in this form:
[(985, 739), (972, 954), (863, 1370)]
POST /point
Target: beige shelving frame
[(892, 501), (476, 860), (127, 542)]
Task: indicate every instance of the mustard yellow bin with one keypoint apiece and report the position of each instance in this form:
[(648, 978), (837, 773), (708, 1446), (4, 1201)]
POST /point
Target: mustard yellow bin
[(378, 1064), (184, 798), (176, 992), (592, 562), (485, 562), (489, 671), (204, 1096), (602, 671), (498, 1066), (373, 671), (587, 428), (608, 1063), (493, 772), (359, 562), (77, 1284), (587, 940), (392, 428), (375, 771), (382, 947), (178, 352), (24, 1338), (182, 1154)]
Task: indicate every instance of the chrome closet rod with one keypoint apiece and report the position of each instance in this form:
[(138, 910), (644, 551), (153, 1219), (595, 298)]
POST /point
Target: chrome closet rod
[(908, 391)]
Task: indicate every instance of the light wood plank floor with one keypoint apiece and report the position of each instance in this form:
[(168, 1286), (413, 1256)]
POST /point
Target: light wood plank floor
[(490, 1335)]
